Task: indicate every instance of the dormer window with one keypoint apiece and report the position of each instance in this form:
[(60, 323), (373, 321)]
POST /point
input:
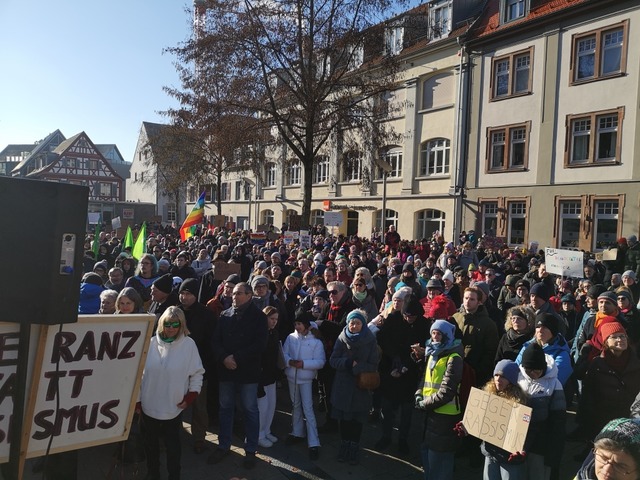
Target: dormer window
[(439, 19), (394, 40), (513, 10), (356, 56)]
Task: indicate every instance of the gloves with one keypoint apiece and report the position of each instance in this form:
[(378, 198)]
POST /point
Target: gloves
[(189, 398), (138, 408), (517, 457), (462, 432), (418, 398)]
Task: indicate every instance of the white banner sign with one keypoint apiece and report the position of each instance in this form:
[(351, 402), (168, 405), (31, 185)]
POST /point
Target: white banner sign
[(568, 263), (333, 219)]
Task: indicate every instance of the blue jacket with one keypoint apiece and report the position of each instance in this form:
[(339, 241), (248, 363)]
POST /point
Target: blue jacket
[(559, 351), (89, 298)]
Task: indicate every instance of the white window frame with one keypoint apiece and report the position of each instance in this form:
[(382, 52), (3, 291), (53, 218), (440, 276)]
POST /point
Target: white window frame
[(171, 212), (271, 174), (440, 19), (294, 173), (604, 210), (514, 10), (321, 170), (516, 210), (440, 162), (391, 218), (569, 210), (489, 214), (317, 217), (352, 167), (267, 217), (394, 38), (427, 217)]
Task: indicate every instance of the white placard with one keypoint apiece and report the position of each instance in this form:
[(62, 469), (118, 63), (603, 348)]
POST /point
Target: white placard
[(333, 219), (116, 223), (98, 363), (94, 218), (305, 239), (568, 263)]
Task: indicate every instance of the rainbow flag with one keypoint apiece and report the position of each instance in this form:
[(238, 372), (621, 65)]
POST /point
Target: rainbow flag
[(195, 218)]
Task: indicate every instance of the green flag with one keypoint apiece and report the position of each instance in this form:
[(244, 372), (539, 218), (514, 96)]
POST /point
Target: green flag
[(128, 238), (96, 242), (141, 243)]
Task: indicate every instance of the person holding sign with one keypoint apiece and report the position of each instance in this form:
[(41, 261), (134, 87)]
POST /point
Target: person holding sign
[(171, 381), (501, 464), (439, 398)]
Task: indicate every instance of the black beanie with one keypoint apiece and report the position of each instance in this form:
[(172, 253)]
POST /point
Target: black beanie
[(548, 320), (164, 283), (533, 358), (190, 285), (539, 289)]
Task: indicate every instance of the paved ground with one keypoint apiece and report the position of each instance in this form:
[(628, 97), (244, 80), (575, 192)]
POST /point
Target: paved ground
[(281, 462)]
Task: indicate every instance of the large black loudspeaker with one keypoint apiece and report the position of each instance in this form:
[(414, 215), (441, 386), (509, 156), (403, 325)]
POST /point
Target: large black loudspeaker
[(42, 229)]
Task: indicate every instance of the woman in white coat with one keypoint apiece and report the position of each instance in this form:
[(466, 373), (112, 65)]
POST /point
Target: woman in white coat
[(304, 356), (171, 381)]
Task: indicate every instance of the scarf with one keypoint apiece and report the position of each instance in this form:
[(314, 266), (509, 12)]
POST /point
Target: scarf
[(351, 336), (434, 350), (360, 296)]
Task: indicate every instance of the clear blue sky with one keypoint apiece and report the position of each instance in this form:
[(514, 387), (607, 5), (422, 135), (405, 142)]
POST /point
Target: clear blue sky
[(93, 66)]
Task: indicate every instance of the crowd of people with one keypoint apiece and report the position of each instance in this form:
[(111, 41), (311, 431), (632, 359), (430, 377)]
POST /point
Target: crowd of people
[(362, 329)]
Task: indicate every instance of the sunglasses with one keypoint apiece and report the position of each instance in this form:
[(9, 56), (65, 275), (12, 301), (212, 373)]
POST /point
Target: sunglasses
[(359, 284), (172, 324), (333, 292)]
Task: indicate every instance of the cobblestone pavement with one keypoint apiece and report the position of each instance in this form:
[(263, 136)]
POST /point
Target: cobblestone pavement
[(282, 462)]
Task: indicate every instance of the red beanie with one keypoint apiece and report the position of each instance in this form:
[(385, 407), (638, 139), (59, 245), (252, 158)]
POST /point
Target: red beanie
[(609, 329), (439, 308)]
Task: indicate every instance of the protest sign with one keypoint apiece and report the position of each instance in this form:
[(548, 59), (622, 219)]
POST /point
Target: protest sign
[(496, 420), (305, 239), (9, 344), (85, 382), (567, 263), (333, 219), (221, 271)]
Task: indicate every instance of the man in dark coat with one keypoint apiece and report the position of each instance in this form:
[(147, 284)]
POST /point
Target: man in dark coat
[(399, 374), (239, 341)]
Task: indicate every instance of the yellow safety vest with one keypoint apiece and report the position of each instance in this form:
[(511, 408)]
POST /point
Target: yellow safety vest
[(433, 379)]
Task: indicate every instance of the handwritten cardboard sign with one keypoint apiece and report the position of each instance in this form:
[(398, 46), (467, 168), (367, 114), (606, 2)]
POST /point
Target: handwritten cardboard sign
[(568, 263), (495, 420), (221, 271), (85, 382)]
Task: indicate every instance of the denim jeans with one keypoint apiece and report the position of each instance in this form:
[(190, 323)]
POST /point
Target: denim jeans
[(496, 471), (247, 393), (437, 465)]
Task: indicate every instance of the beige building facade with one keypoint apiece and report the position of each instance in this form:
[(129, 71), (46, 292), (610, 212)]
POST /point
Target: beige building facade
[(554, 130)]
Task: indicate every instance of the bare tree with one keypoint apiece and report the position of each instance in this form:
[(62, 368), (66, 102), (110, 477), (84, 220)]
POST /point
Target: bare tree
[(306, 73)]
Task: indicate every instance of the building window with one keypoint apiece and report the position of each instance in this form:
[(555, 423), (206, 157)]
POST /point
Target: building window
[(511, 75), (171, 212), (394, 40), (294, 173), (428, 222), (225, 191), (209, 191), (440, 19), (517, 223), (238, 190), (92, 164), (352, 167), (288, 216), (438, 91), (70, 162), (105, 189), (267, 217), (356, 56), (599, 54), (394, 158), (435, 157), (489, 218), (271, 172), (594, 138), (508, 148), (606, 224), (317, 217), (570, 224), (321, 170), (391, 218), (513, 9), (192, 195)]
